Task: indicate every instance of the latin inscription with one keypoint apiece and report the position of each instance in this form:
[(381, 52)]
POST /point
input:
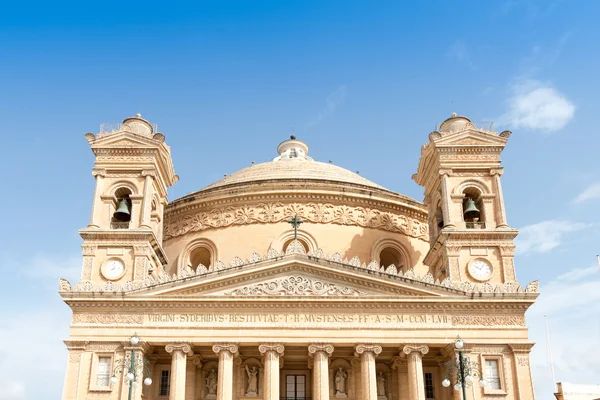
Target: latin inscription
[(300, 319)]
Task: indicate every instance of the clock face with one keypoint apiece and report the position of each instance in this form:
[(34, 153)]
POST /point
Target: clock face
[(480, 270), (113, 269)]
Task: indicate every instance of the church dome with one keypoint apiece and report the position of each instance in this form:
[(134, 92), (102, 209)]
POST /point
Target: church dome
[(292, 163)]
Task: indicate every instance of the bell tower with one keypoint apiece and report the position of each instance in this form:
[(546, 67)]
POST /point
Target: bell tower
[(133, 169), (460, 170)]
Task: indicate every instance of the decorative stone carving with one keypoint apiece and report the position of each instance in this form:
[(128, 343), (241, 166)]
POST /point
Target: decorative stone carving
[(295, 247), (64, 285), (252, 373), (315, 347), (230, 347), (421, 348), (340, 383), (488, 320), (278, 347), (533, 287), (106, 319), (296, 286), (381, 385), (375, 348), (183, 346), (313, 212), (211, 383)]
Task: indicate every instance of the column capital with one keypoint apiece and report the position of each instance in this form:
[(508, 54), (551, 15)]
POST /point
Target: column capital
[(399, 361), (223, 346), (265, 347), (316, 347), (496, 171), (98, 172), (368, 347), (180, 346), (195, 360), (521, 347), (148, 172), (410, 348)]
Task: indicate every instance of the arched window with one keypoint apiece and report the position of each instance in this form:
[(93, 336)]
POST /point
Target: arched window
[(473, 210), (389, 251), (198, 252), (200, 255), (389, 256)]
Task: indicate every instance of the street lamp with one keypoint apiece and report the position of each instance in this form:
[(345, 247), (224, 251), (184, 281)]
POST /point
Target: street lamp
[(462, 370), (132, 369)]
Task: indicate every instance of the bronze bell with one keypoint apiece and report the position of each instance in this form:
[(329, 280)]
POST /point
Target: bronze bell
[(123, 214), (471, 210)]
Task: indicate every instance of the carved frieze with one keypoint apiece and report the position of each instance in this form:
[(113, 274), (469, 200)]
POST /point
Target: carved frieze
[(488, 320), (106, 319), (313, 212), (296, 286)]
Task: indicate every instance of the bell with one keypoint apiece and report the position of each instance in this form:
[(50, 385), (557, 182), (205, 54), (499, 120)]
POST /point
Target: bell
[(471, 210), (122, 213)]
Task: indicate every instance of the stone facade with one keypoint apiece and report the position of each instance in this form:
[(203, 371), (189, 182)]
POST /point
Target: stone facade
[(361, 300)]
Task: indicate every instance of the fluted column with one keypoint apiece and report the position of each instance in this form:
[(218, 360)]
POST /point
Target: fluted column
[(320, 353), (416, 386), (271, 353), (179, 353), (368, 377), (146, 201), (225, 351)]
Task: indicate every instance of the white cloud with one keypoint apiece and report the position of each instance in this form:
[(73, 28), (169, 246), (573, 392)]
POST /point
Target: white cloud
[(13, 391), (570, 302), (332, 102), (589, 193), (459, 51), (545, 236), (537, 106)]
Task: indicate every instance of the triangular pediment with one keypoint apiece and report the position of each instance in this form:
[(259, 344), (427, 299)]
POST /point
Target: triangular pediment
[(472, 138), (295, 276), (125, 139)]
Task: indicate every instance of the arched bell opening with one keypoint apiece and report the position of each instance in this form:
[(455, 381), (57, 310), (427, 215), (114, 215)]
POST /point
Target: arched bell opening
[(472, 207), (391, 256), (200, 256), (122, 215)]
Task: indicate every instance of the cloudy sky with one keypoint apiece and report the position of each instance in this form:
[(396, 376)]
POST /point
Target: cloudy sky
[(363, 83)]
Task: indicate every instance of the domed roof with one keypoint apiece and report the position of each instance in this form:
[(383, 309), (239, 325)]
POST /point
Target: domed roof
[(293, 163)]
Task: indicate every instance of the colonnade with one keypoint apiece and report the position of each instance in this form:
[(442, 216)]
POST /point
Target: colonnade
[(320, 354)]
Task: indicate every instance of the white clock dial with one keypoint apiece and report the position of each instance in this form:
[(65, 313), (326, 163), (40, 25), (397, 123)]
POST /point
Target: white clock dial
[(480, 270), (113, 269)]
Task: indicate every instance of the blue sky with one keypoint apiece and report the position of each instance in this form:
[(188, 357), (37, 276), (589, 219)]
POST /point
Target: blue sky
[(363, 83)]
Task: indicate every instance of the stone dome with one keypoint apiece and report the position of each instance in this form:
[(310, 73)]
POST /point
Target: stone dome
[(455, 123), (293, 163)]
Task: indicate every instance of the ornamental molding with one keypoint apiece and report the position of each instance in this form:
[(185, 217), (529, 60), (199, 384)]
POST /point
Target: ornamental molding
[(225, 346), (321, 213), (313, 348), (521, 347), (489, 350), (108, 347), (296, 286)]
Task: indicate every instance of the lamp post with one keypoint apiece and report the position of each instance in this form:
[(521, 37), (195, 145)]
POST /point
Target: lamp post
[(132, 369), (462, 370)]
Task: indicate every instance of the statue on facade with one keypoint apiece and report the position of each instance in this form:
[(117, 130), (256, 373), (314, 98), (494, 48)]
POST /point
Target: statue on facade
[(211, 382), (252, 381), (380, 384), (340, 383)]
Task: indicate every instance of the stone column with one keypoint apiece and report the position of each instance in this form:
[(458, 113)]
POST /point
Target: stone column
[(179, 353), (271, 353), (446, 199), (146, 200), (99, 175), (500, 209), (368, 377), (320, 353), (190, 381), (416, 385), (400, 366), (225, 351)]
